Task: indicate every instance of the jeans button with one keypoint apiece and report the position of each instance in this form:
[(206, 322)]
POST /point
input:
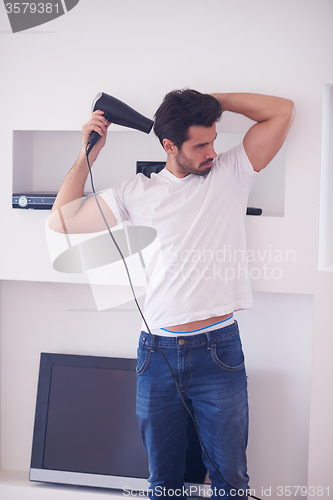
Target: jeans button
[(181, 341)]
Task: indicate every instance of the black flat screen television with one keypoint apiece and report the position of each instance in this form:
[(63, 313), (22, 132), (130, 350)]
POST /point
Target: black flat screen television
[(86, 431)]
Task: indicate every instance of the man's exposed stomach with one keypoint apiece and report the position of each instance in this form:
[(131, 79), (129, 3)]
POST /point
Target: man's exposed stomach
[(195, 325)]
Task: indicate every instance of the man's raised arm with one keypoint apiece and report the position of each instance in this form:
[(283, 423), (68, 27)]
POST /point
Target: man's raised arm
[(274, 116), (68, 213)]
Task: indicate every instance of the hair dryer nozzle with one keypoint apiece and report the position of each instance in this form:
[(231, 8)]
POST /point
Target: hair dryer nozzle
[(118, 112)]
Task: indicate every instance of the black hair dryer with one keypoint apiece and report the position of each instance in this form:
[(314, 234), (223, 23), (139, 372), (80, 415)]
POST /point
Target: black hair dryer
[(117, 112)]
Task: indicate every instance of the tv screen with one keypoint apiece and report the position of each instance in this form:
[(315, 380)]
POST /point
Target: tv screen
[(86, 431)]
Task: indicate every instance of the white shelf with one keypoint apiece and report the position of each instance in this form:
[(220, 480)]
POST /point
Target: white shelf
[(41, 160)]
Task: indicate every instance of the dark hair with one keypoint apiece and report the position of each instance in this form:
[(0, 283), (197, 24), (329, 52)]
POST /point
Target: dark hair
[(180, 110)]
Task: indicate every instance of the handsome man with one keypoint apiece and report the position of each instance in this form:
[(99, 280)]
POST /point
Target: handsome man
[(197, 205)]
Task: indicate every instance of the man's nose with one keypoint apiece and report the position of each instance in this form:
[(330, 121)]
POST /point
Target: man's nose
[(211, 153)]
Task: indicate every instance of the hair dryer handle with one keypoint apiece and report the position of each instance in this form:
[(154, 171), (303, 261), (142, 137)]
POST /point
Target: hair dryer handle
[(94, 137)]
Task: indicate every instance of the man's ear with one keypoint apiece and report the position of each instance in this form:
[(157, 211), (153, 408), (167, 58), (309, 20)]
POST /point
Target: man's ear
[(169, 146)]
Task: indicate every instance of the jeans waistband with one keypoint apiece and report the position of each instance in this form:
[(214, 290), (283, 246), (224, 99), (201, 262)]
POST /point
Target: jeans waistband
[(186, 340), (164, 332)]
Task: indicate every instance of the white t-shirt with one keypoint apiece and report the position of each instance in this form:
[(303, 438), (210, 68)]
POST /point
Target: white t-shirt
[(200, 226)]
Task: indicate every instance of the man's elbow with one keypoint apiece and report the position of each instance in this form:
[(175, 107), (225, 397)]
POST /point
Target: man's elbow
[(56, 222), (289, 110)]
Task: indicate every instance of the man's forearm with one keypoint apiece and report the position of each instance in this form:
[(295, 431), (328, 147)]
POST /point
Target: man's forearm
[(257, 107), (70, 195), (69, 213), (273, 117), (72, 187)]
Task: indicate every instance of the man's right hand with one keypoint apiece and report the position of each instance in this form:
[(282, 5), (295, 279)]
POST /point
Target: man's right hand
[(98, 124)]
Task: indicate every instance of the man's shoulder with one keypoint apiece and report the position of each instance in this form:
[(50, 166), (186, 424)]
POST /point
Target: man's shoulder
[(237, 164), (235, 153), (137, 184)]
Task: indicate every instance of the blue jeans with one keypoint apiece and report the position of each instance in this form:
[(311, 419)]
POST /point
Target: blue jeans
[(210, 371)]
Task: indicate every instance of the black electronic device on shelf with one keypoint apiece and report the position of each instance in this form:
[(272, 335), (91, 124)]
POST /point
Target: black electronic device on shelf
[(36, 201), (253, 211)]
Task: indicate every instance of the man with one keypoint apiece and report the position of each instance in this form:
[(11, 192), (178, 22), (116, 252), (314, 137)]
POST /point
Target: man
[(197, 205)]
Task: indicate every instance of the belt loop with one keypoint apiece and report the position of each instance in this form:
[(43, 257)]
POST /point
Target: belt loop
[(148, 341), (209, 340)]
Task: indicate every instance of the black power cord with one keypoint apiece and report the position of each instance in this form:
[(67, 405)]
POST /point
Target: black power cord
[(151, 335)]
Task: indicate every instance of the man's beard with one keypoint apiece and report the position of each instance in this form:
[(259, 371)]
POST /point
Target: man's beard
[(188, 167)]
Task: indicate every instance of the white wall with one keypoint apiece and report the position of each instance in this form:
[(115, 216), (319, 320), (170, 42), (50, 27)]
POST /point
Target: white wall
[(137, 51), (277, 340)]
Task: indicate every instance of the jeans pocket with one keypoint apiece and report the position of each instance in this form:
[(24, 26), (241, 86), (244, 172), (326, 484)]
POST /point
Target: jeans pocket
[(143, 357), (228, 353)]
